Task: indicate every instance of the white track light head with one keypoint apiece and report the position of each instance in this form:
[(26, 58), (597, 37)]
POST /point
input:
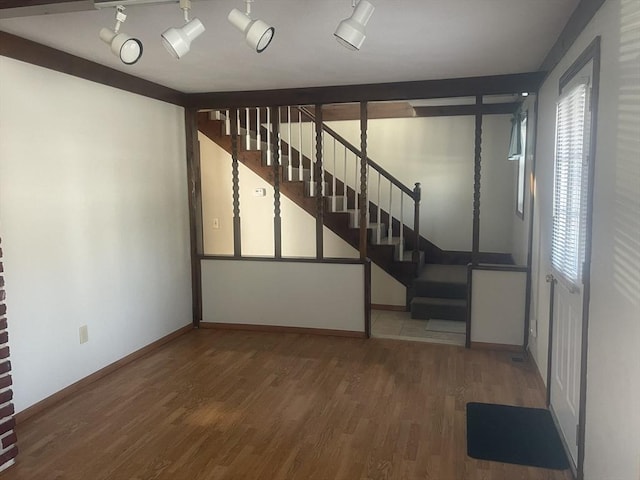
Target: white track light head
[(127, 48), (258, 34), (177, 41), (350, 32)]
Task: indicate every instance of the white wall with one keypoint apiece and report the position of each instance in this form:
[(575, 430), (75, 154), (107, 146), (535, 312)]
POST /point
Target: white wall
[(256, 215), (613, 382), (94, 220), (438, 152), (288, 294)]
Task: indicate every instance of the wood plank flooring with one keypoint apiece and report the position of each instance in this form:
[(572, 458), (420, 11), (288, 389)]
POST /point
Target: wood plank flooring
[(217, 404)]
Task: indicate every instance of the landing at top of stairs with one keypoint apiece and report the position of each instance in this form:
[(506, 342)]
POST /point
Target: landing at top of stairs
[(454, 274)]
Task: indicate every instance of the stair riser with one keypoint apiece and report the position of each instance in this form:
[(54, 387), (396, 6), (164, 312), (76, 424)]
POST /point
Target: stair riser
[(440, 290), (441, 312)]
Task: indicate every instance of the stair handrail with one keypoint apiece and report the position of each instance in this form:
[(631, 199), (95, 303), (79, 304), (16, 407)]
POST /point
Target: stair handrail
[(358, 153)]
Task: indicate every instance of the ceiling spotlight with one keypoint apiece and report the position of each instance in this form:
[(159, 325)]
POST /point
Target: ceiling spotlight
[(350, 32), (177, 41), (257, 33), (128, 49)]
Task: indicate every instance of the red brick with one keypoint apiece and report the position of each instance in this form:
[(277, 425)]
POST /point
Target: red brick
[(7, 411), (5, 367), (3, 295), (3, 309), (4, 352), (8, 455), (7, 426), (5, 382), (6, 396), (4, 338), (3, 323), (9, 440)]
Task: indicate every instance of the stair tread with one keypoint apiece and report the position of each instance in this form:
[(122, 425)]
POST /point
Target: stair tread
[(384, 241), (453, 274), (453, 302)]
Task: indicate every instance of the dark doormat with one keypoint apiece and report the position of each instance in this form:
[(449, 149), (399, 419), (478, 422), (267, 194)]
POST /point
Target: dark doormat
[(524, 436)]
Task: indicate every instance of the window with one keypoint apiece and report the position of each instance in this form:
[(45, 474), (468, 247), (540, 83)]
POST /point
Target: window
[(571, 183)]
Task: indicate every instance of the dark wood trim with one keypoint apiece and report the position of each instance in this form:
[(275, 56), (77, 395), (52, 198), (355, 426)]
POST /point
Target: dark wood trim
[(277, 172), (477, 166), (280, 329), (453, 87), (467, 110), (66, 392), (497, 346), (235, 179), (34, 53), (195, 210), (364, 199), (552, 289), (388, 308), (527, 313), (467, 341), (338, 261), (417, 196), (318, 167), (592, 53), (367, 298), (579, 19), (500, 268)]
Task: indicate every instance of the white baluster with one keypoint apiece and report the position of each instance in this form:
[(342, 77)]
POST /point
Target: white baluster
[(247, 131), (333, 184), (268, 136), (300, 154), (390, 229), (355, 188), (379, 232), (238, 126), (345, 187), (258, 128), (401, 225), (279, 139), (227, 123), (290, 169)]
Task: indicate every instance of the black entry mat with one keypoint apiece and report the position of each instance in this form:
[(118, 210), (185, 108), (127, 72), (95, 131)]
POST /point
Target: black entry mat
[(524, 436)]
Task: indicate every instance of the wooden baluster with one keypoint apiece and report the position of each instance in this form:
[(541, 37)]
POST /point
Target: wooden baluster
[(390, 227), (333, 183), (300, 150), (401, 225), (235, 174), (475, 252), (378, 217), (258, 129), (416, 222), (368, 213), (247, 129), (363, 181), (269, 153), (319, 198), (227, 123), (277, 221), (312, 172)]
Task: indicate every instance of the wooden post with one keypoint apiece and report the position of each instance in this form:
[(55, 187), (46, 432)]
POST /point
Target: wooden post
[(417, 193), (319, 186), (364, 201), (475, 252), (195, 210), (277, 220), (235, 175)]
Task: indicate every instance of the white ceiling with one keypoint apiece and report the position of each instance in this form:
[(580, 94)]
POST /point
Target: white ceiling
[(406, 40)]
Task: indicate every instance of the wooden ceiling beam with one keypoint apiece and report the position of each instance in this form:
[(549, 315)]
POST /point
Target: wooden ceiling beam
[(426, 89)]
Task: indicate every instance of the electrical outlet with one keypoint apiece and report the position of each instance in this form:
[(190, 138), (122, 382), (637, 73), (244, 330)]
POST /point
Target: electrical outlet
[(216, 223), (84, 334)]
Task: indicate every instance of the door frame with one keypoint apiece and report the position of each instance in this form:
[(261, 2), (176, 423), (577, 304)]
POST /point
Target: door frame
[(591, 53)]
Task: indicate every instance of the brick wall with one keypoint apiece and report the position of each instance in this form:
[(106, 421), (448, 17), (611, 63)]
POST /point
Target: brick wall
[(8, 441)]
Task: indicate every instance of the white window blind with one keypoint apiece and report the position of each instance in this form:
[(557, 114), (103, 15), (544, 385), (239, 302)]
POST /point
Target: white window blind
[(570, 189)]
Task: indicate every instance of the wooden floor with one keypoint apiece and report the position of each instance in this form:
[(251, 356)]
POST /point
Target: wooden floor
[(241, 405)]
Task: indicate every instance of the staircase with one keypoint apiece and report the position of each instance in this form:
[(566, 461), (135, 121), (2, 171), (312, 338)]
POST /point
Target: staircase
[(434, 290)]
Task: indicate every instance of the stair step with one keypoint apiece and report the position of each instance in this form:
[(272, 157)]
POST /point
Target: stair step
[(442, 281), (425, 308), (335, 203), (310, 188)]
